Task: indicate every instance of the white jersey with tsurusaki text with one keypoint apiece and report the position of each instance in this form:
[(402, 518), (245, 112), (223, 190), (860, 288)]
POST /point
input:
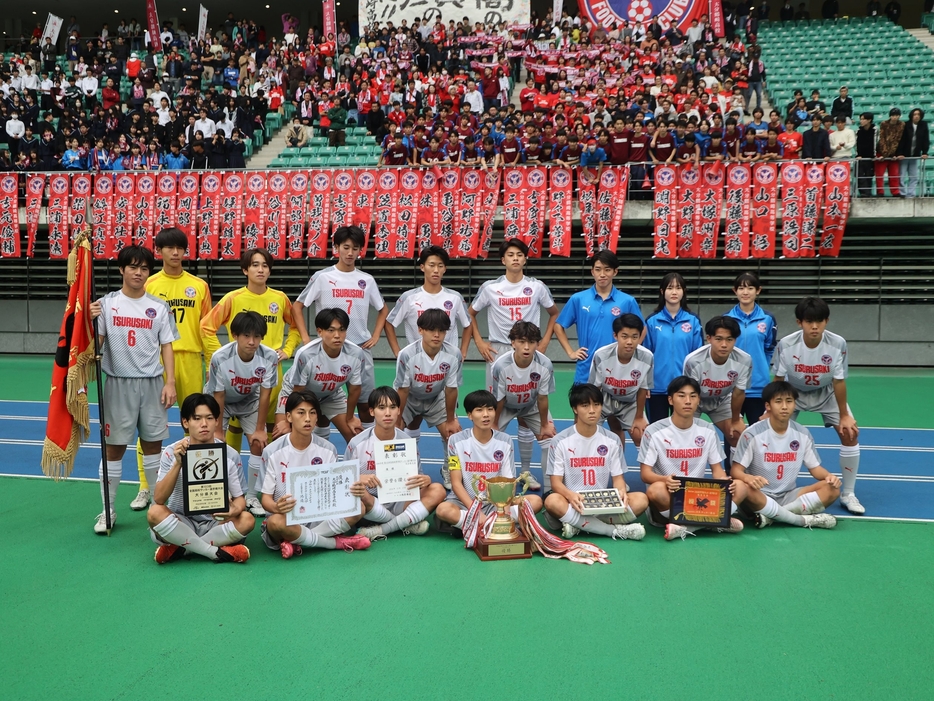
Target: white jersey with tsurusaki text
[(412, 303), (426, 377), (354, 292), (586, 463), (622, 381), (510, 302), (176, 500), (670, 450), (811, 370), (520, 387), (135, 331), (471, 457), (241, 380), (321, 374), (717, 382), (777, 457), (281, 454)]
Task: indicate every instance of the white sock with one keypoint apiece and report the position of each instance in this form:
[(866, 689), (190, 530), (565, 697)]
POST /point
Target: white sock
[(627, 516), (114, 470), (332, 527), (151, 470), (223, 534), (808, 503), (733, 508), (545, 445), (666, 514), (849, 467), (591, 524), (378, 514), (514, 512), (414, 513), (310, 539), (176, 532), (460, 521), (773, 510), (323, 432), (253, 467), (525, 447)]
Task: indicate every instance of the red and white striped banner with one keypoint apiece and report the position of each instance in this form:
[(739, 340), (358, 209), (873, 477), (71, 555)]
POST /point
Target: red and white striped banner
[(465, 242), (709, 204), (319, 214), (736, 217), (186, 210), (231, 217), (57, 215), (665, 212), (689, 185), (295, 214), (35, 188), (9, 216), (428, 206), (275, 222), (448, 203), (836, 207), (385, 213), (488, 211), (764, 207), (813, 191), (208, 216), (254, 211), (101, 216)]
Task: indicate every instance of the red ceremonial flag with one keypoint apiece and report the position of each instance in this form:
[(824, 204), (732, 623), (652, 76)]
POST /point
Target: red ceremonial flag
[(764, 206), (57, 215), (166, 189), (428, 208), (689, 177), (208, 216), (319, 214), (559, 212), (792, 207), (295, 215), (736, 217), (709, 202), (813, 191), (836, 207), (513, 209), (254, 211), (124, 189), (275, 221), (448, 204), (587, 202), (536, 193), (364, 202), (466, 236), (102, 214), (9, 216), (665, 212), (619, 202), (35, 188), (231, 216), (717, 23), (384, 241), (186, 210), (488, 210), (342, 199), (410, 181), (69, 421), (152, 24), (143, 206)]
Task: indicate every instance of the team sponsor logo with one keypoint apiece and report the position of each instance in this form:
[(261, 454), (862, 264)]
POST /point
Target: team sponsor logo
[(686, 327), (151, 313), (146, 184), (699, 441), (37, 185), (608, 179), (444, 367), (616, 311), (815, 175), (665, 176), (837, 173), (794, 445), (739, 176), (514, 178), (732, 374), (188, 184), (537, 178), (635, 374), (449, 305), (260, 372), (366, 181), (690, 177), (104, 186), (826, 359), (345, 369), (190, 292), (498, 455), (761, 327), (234, 183), (125, 184), (388, 180), (361, 284), (299, 181), (211, 183), (429, 180), (792, 174), (527, 290), (471, 179), (450, 179), (601, 450), (765, 174), (534, 376), (255, 183), (410, 181), (273, 308), (316, 461)]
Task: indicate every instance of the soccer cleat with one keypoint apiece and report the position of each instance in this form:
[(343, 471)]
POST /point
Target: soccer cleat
[(141, 501), (371, 532), (255, 508), (762, 520), (851, 504), (100, 525), (569, 531), (169, 553), (233, 553), (446, 478), (736, 526), (820, 521), (534, 484), (629, 531), (420, 528), (349, 543), (673, 530), (288, 549)]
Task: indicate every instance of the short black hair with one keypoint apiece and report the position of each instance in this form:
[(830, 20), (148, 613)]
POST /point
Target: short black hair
[(584, 394), (436, 251), (525, 331), (193, 401), (680, 382), (380, 393), (251, 323), (136, 255), (354, 234), (513, 243), (326, 317), (812, 309), (722, 322), (171, 237), (666, 282), (777, 388), (478, 399), (749, 279), (247, 258), (302, 396), (434, 320), (627, 321), (607, 257)]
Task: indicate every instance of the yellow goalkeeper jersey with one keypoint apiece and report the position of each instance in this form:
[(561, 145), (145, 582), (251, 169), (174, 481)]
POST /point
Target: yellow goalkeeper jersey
[(189, 299), (273, 305)]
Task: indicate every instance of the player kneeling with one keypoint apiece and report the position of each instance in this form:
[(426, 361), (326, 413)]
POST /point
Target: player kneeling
[(768, 459), (215, 537), (297, 448), (482, 451), (587, 456), (406, 516), (682, 446)]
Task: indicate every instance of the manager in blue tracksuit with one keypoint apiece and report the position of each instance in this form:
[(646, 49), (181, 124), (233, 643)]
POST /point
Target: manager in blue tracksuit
[(672, 333)]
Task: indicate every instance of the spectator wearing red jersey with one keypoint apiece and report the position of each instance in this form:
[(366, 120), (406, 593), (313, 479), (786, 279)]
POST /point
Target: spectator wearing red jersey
[(791, 140)]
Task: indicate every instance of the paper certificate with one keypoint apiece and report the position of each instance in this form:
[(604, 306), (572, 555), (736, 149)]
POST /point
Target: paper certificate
[(396, 461), (322, 491)]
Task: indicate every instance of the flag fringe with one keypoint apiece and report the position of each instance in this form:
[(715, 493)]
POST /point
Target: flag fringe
[(57, 463)]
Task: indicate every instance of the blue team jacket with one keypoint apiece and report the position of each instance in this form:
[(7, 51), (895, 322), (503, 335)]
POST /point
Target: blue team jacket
[(758, 336), (671, 340)]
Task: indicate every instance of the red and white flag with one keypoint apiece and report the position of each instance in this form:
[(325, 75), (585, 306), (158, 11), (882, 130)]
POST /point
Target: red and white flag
[(364, 203), (689, 177), (536, 207), (35, 188), (449, 199), (57, 215), (587, 203), (208, 216), (665, 212), (560, 200), (709, 203), (254, 211), (513, 209), (813, 194), (428, 208), (144, 203), (231, 217), (488, 210), (166, 192), (342, 199), (295, 214), (836, 207), (383, 237), (9, 216), (186, 210), (465, 229), (319, 214), (410, 185), (736, 217), (124, 195), (275, 222), (764, 206), (152, 24), (102, 214), (611, 198)]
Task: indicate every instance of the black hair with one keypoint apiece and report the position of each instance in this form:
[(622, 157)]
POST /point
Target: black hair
[(247, 258), (193, 401), (628, 321), (380, 393), (525, 331), (680, 382), (326, 317), (302, 396), (722, 322), (434, 320), (776, 388), (518, 244), (607, 257), (172, 237), (436, 251), (136, 255), (478, 399), (584, 394), (248, 323), (354, 234), (812, 309), (747, 279), (666, 281)]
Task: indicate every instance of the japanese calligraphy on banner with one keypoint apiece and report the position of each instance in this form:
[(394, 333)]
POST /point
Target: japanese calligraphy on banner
[(231, 213), (449, 199), (57, 214), (488, 210), (208, 215), (386, 185), (536, 192), (513, 209), (736, 217), (102, 216), (688, 212), (709, 200), (78, 207), (254, 211), (124, 192), (364, 201), (295, 214), (609, 13), (143, 205), (410, 181), (428, 206), (465, 243), (559, 212), (166, 187), (792, 208), (764, 206), (813, 189), (275, 221), (342, 199), (186, 210), (35, 187), (491, 11), (665, 212), (9, 216), (611, 199), (319, 214), (836, 207), (587, 202)]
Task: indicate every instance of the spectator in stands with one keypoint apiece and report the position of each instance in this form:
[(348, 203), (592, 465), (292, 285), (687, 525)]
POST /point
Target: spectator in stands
[(816, 141), (865, 153), (914, 146), (842, 139), (787, 13), (887, 156), (830, 9), (296, 135), (815, 105), (843, 105), (873, 8), (894, 11)]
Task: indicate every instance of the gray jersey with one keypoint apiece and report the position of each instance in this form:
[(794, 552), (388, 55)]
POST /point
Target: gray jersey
[(619, 381), (362, 449), (520, 387), (241, 380), (811, 371), (777, 457), (176, 501), (586, 463), (717, 382), (425, 377), (136, 330), (321, 374), (281, 454), (412, 303), (669, 450), (354, 292)]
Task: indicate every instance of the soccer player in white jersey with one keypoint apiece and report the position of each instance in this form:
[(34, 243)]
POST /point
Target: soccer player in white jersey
[(136, 332), (433, 262), (343, 285), (216, 536), (587, 456), (428, 373), (510, 298), (478, 451), (813, 360), (768, 459), (301, 447), (409, 516), (522, 381), (242, 376), (682, 446), (324, 366), (723, 372), (623, 372)]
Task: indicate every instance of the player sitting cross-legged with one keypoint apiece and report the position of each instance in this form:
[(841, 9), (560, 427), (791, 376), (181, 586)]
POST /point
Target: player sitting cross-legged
[(587, 456), (769, 457)]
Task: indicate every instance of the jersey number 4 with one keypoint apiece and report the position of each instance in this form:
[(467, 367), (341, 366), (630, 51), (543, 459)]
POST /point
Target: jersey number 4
[(684, 468)]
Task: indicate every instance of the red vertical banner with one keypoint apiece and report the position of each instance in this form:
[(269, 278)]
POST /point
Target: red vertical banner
[(536, 197), (166, 189), (689, 184), (208, 215), (559, 212), (836, 207), (465, 242), (813, 192), (709, 200), (152, 24), (329, 15), (81, 188), (792, 207), (124, 194), (35, 188), (736, 217), (143, 205), (587, 202), (410, 182), (488, 210), (254, 210), (9, 216), (57, 215), (619, 202), (277, 200), (342, 199), (513, 204), (384, 241), (319, 213), (231, 216), (428, 208), (717, 23), (764, 206), (606, 196), (295, 215), (364, 202), (186, 206), (449, 198), (665, 212), (102, 214)]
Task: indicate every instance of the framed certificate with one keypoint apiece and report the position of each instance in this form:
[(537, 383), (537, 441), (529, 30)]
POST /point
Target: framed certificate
[(204, 479), (396, 461), (322, 491), (702, 502)]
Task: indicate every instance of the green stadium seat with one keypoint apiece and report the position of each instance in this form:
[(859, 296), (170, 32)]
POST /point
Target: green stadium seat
[(318, 161), (288, 152)]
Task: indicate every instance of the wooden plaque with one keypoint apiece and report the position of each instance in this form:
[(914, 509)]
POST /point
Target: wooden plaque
[(518, 548)]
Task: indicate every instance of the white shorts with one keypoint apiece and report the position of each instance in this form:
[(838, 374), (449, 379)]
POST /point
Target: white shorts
[(720, 411), (823, 403), (247, 421), (200, 528), (624, 412), (528, 414), (500, 348), (434, 413), (131, 405), (333, 405)]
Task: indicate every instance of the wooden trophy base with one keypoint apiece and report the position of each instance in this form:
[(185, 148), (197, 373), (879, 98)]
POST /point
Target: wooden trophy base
[(518, 548)]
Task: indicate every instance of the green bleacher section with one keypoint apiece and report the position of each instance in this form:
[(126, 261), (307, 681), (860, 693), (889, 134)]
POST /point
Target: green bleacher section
[(360, 149)]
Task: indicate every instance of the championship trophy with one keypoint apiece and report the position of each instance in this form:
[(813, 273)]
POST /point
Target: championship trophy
[(502, 541)]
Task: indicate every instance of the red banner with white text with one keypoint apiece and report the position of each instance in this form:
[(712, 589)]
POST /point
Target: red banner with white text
[(488, 211), (689, 183), (186, 210), (736, 217), (295, 214), (208, 216), (813, 196), (101, 216), (385, 213), (254, 211), (764, 207), (448, 204), (57, 215), (836, 207), (229, 235), (560, 200), (465, 241), (35, 188), (428, 206), (709, 204), (9, 216), (275, 223), (410, 185), (665, 212), (342, 200), (319, 214)]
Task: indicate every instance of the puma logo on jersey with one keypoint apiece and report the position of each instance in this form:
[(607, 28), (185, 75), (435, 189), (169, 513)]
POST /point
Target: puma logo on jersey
[(586, 309), (665, 440), (571, 451), (466, 453)]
